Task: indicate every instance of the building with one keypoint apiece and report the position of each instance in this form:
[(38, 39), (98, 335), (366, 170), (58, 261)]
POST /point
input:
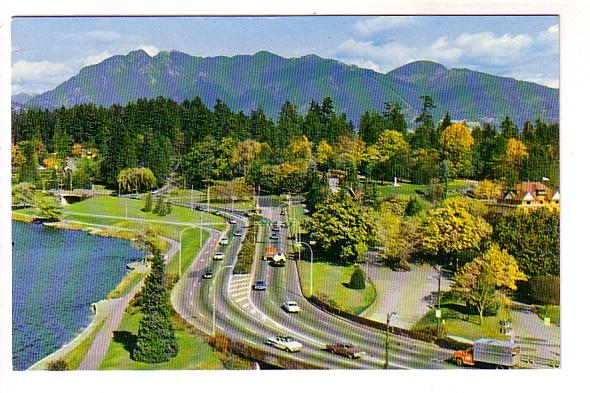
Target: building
[(530, 195)]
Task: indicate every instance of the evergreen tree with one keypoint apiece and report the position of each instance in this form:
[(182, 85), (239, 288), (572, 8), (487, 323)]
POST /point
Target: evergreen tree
[(168, 207), (394, 119), (160, 209), (147, 207), (424, 134), (156, 341)]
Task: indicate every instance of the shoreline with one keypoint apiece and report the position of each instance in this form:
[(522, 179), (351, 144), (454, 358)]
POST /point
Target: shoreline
[(97, 307)]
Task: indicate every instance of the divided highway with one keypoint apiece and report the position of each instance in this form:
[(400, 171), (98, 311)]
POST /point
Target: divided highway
[(252, 316)]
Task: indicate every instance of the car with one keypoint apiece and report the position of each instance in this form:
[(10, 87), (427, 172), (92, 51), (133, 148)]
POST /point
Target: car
[(233, 221), (275, 229), (216, 212), (237, 233), (274, 236), (259, 285), (284, 225), (282, 212), (286, 343), (218, 256), (224, 241), (291, 306), (279, 257), (208, 274), (348, 350)]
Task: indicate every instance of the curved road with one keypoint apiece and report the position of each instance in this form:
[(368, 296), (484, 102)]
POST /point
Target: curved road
[(251, 317)]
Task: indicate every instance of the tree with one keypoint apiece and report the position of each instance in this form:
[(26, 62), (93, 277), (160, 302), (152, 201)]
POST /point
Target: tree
[(324, 154), (394, 118), (147, 207), (245, 153), (156, 341), (136, 180), (23, 194), (160, 209), (488, 189), (413, 208), (48, 208), (342, 228), (450, 229), (424, 135), (533, 239), (397, 235), (29, 170), (478, 280), (57, 365), (357, 279), (457, 142)]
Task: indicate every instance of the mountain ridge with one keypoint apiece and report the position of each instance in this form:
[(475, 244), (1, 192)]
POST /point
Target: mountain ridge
[(266, 80)]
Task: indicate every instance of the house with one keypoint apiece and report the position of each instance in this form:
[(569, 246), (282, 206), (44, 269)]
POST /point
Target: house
[(531, 194)]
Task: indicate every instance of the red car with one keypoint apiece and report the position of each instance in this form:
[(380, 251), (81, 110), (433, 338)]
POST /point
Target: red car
[(345, 350)]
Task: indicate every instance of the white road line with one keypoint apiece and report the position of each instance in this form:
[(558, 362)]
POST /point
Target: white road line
[(220, 327), (250, 330), (239, 299), (251, 342), (357, 335)]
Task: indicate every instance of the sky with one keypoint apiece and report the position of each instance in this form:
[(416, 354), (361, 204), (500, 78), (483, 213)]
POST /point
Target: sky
[(47, 51)]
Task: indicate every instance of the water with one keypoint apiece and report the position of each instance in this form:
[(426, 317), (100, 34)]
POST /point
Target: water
[(56, 275)]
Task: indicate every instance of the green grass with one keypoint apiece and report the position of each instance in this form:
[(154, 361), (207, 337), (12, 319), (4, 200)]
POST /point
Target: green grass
[(553, 312), (296, 212), (386, 190), (130, 280), (77, 354), (466, 325), (332, 281), (200, 196), (193, 354), (24, 215), (191, 244)]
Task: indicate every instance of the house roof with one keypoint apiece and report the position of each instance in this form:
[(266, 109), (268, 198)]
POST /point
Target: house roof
[(530, 191)]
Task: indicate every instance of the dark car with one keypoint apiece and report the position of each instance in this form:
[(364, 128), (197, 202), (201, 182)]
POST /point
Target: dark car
[(348, 350), (259, 285), (208, 274)]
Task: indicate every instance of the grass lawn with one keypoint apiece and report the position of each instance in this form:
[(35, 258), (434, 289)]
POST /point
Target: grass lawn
[(296, 212), (193, 354), (130, 280), (332, 281), (191, 244), (553, 312), (131, 208), (76, 355), (388, 189), (200, 196), (465, 325)]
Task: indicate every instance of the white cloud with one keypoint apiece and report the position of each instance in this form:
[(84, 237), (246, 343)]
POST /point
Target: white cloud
[(489, 45), (382, 23), (96, 58), (23, 71)]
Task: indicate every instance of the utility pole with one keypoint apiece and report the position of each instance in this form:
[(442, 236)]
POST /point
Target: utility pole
[(438, 312)]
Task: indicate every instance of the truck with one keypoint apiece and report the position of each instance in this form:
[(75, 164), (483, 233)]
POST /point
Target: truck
[(489, 352), (270, 253)]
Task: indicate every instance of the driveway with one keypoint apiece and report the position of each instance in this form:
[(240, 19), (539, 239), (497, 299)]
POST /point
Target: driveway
[(410, 294)]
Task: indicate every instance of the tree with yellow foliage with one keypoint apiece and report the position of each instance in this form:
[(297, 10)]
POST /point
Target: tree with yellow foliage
[(324, 154), (478, 280), (457, 142), (516, 151)]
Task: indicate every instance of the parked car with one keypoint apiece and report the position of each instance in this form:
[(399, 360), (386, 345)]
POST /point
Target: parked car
[(286, 343), (224, 241), (291, 306), (218, 256), (348, 350), (259, 285), (208, 274)]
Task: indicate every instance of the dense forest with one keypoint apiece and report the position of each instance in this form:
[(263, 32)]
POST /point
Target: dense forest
[(203, 145)]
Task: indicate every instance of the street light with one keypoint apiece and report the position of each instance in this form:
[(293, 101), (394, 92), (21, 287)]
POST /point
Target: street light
[(214, 297), (438, 313), (389, 315), (298, 245)]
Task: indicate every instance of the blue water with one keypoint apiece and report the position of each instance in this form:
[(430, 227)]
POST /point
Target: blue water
[(56, 275)]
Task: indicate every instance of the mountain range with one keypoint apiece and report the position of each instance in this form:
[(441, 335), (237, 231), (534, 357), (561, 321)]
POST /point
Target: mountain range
[(246, 82)]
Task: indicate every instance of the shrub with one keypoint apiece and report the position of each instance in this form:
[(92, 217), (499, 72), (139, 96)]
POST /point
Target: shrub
[(544, 290), (57, 365), (490, 309), (357, 280)]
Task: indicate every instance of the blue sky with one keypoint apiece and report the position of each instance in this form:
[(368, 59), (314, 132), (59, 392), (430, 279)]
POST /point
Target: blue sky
[(47, 51)]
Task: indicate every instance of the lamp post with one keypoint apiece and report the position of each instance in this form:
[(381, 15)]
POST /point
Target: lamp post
[(389, 315), (298, 244), (214, 297), (438, 313)]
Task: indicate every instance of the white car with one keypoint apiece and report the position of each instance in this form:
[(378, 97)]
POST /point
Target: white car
[(224, 241), (286, 343), (238, 233), (291, 306), (218, 256), (279, 257), (233, 221)]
